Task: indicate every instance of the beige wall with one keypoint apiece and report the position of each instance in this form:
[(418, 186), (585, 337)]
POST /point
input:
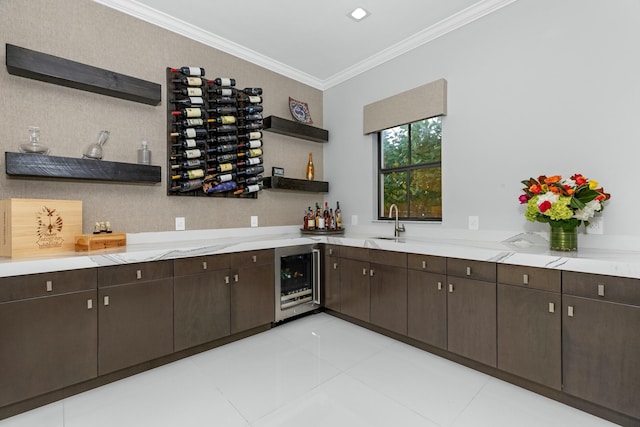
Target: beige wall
[(87, 32)]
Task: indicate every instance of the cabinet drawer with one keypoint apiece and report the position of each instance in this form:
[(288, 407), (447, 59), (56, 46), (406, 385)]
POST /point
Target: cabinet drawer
[(332, 250), (251, 258), (129, 273), (351, 252), (430, 263), (36, 285), (607, 288), (394, 259), (477, 270), (544, 279), (200, 264)]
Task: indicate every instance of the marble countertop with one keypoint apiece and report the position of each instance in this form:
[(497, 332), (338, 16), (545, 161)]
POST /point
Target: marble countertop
[(529, 249)]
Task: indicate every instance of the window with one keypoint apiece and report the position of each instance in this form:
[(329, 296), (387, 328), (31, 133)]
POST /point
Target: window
[(409, 170)]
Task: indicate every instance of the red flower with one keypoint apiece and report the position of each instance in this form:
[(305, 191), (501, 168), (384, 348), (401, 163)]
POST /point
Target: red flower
[(579, 179), (544, 206), (523, 199), (535, 188)]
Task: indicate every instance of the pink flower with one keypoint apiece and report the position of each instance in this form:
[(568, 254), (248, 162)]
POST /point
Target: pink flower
[(544, 206), (523, 199)]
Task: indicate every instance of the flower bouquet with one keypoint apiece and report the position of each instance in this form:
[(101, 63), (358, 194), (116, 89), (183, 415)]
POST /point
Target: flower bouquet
[(564, 203)]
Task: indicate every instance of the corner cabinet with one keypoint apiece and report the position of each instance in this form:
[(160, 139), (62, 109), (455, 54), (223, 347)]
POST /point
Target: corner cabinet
[(301, 131)]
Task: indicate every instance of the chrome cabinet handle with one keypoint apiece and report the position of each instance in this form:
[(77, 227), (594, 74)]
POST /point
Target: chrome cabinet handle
[(439, 286), (552, 307), (424, 264), (601, 290), (138, 274), (371, 273), (226, 279), (89, 304), (525, 279), (254, 258), (204, 265), (468, 271), (330, 251), (450, 288), (236, 278), (105, 300), (335, 265), (570, 311), (364, 271), (49, 286), (317, 278)]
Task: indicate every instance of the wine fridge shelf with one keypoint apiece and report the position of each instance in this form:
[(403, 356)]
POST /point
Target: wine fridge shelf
[(38, 165), (52, 69), (297, 130), (282, 183)]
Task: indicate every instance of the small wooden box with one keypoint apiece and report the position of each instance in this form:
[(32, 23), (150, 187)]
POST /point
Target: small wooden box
[(93, 242), (39, 227)]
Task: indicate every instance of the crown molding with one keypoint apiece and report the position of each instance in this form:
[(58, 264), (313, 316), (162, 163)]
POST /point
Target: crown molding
[(451, 23)]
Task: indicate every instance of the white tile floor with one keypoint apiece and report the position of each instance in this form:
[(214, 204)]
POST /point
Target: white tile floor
[(314, 371)]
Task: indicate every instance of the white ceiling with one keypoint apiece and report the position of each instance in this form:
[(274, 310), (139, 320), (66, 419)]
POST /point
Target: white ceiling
[(314, 42)]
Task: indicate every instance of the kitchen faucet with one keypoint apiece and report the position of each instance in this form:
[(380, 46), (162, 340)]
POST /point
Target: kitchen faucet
[(397, 229)]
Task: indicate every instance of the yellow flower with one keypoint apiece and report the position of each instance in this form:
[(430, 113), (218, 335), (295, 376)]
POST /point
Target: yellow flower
[(593, 184)]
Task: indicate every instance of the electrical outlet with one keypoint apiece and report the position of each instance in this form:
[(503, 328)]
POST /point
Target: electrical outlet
[(180, 223), (254, 220), (596, 225), (474, 222)]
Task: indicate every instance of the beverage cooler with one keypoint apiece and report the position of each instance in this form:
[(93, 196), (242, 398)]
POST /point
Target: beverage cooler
[(297, 278)]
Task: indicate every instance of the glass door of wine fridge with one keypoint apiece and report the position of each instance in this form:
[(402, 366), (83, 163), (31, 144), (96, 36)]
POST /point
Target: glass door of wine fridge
[(297, 280)]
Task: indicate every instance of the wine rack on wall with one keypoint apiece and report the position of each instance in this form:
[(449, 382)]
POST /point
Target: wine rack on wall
[(214, 136)]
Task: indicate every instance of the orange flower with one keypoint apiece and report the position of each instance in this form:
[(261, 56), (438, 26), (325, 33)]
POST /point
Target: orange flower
[(552, 179), (535, 188), (555, 190)]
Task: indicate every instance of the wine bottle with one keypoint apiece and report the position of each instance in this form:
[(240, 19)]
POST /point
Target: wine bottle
[(224, 139), (189, 91), (189, 164), (223, 100), (190, 133), (188, 185), (186, 123), (251, 135), (225, 167), (190, 113), (250, 126), (252, 170), (250, 180), (251, 117), (251, 109), (310, 168), (189, 71), (189, 81), (225, 109), (249, 161), (252, 90), (332, 220), (223, 81), (224, 91), (227, 157), (190, 143), (325, 215), (251, 99), (221, 187), (225, 148), (249, 189), (224, 129), (190, 101), (190, 174), (311, 221), (338, 214), (225, 120), (254, 143), (253, 152)]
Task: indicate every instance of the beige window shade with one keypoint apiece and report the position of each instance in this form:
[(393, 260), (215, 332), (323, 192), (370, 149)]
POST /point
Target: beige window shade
[(425, 101)]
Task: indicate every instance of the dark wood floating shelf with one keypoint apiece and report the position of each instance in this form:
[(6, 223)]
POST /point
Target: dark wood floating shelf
[(282, 183), (298, 130), (52, 69), (38, 165)]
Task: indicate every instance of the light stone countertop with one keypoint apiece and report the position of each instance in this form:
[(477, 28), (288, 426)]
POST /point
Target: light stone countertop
[(529, 249)]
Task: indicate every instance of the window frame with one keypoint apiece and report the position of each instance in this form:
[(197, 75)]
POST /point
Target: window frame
[(381, 215)]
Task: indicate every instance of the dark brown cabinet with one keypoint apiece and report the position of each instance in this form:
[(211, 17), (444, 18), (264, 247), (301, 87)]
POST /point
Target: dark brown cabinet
[(331, 279), (388, 290), (48, 333), (529, 323), (427, 299), (471, 309), (201, 300), (600, 340), (354, 283), (252, 289), (135, 314)]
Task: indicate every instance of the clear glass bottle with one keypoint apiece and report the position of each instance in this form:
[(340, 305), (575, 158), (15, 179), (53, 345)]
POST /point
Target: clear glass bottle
[(144, 154), (34, 146), (94, 151)]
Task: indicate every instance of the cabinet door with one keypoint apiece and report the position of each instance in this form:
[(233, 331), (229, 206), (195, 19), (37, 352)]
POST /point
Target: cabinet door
[(201, 308), (427, 308), (471, 319), (529, 334), (388, 287), (252, 297), (354, 289), (601, 353), (46, 344), (331, 292), (136, 324)]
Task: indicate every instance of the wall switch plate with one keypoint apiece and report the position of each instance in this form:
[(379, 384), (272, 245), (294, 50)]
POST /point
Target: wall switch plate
[(354, 219), (180, 223), (596, 225), (254, 220), (474, 222)]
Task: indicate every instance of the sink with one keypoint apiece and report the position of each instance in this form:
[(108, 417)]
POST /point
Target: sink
[(392, 239)]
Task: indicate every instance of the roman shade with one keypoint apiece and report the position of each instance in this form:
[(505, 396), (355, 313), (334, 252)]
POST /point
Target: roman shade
[(425, 101)]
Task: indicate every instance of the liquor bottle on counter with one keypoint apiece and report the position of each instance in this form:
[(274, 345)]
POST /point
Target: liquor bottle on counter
[(223, 81), (310, 168), (311, 222), (338, 215), (325, 215), (332, 220), (189, 71)]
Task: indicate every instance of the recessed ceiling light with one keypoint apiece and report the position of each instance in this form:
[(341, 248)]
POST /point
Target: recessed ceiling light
[(358, 14)]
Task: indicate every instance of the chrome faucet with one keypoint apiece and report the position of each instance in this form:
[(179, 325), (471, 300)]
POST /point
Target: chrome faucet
[(398, 228)]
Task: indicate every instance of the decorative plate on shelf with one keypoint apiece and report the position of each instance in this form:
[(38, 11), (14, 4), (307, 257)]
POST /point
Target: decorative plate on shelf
[(300, 111)]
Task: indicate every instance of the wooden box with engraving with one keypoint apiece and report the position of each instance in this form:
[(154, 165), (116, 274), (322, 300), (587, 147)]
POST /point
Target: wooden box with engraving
[(39, 227)]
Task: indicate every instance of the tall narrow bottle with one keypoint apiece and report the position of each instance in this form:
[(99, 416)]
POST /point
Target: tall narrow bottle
[(310, 168), (338, 214)]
